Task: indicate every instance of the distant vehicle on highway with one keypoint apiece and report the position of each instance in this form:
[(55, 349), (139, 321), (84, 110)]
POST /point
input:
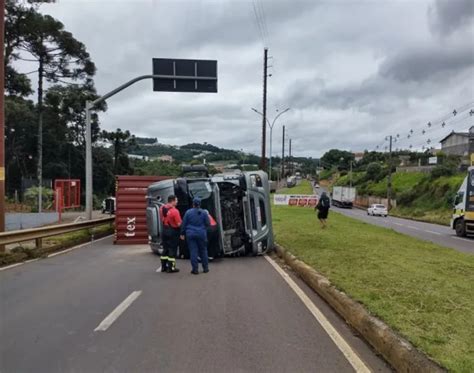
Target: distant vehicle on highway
[(462, 220), (108, 205), (273, 186), (376, 209), (317, 186), (291, 182), (343, 196)]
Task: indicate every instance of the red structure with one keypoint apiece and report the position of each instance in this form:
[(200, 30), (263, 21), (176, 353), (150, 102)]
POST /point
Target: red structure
[(130, 208), (67, 193)]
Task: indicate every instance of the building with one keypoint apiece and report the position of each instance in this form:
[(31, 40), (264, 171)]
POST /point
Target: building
[(165, 158), (358, 156), (457, 143), (137, 156)]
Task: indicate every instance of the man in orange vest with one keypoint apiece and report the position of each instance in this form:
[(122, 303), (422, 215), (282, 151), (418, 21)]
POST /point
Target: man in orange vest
[(171, 220)]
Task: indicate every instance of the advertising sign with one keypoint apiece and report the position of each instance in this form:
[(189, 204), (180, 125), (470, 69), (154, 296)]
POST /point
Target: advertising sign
[(433, 160), (301, 200)]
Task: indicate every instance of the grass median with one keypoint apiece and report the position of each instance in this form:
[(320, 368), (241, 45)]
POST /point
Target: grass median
[(304, 187), (422, 290)]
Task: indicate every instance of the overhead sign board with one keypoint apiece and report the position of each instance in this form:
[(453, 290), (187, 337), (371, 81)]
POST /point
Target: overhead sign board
[(178, 75)]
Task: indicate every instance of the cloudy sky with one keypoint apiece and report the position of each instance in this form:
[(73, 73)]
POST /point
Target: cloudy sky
[(352, 72)]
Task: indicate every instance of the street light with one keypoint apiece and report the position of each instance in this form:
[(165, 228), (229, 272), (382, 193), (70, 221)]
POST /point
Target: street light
[(271, 133)]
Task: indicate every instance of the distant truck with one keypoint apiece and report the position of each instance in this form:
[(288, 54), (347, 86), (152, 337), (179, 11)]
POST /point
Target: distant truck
[(238, 201), (462, 220), (291, 181), (343, 196)]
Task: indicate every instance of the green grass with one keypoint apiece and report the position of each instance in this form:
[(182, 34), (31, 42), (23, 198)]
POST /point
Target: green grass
[(303, 188), (420, 289), (401, 181)]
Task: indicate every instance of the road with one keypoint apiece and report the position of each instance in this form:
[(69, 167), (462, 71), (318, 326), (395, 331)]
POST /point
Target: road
[(439, 234), (436, 233), (105, 308)]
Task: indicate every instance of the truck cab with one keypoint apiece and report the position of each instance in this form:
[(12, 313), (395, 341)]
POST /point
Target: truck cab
[(462, 220), (238, 201)]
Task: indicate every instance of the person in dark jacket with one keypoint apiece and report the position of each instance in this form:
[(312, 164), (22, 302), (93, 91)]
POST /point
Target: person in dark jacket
[(323, 209), (194, 230)]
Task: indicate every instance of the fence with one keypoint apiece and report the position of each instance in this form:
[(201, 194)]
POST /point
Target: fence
[(366, 201)]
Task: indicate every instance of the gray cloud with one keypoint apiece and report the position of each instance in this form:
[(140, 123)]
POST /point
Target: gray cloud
[(424, 63), (350, 71), (446, 16)]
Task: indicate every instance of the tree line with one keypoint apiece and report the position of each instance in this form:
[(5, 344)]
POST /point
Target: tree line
[(45, 128)]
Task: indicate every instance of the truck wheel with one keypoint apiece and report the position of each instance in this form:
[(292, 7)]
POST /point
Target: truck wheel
[(460, 228)]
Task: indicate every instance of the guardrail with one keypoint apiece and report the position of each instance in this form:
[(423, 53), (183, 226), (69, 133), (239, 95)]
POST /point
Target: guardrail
[(38, 234)]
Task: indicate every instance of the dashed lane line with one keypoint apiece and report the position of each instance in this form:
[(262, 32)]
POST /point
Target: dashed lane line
[(349, 353), (115, 314)]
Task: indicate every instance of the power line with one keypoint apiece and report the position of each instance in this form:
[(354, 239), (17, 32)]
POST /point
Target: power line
[(459, 114)]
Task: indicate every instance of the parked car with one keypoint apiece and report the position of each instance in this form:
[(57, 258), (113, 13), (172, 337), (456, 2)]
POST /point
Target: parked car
[(376, 209)]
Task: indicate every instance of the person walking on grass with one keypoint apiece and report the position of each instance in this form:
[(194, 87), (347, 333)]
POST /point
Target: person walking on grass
[(323, 209), (194, 230)]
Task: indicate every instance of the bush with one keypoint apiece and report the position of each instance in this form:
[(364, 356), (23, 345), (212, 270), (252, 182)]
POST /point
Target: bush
[(374, 171), (31, 197), (446, 169)]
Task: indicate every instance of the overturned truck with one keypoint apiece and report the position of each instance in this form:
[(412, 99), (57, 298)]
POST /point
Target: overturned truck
[(238, 201)]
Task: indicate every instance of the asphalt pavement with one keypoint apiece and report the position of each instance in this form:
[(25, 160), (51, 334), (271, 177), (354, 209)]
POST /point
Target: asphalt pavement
[(439, 234), (436, 233), (105, 308)]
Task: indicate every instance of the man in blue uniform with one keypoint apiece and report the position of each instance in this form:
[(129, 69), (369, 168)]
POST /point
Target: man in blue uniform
[(194, 229)]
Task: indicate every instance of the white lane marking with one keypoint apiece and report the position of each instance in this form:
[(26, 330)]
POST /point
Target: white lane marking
[(339, 341), (399, 224), (158, 269), (12, 266), (461, 238), (433, 232), (114, 315)]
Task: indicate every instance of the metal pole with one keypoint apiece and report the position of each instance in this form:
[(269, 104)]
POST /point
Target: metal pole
[(290, 167), (350, 177), (88, 161), (389, 181), (90, 106), (264, 119), (283, 154), (270, 167), (40, 136), (2, 124)]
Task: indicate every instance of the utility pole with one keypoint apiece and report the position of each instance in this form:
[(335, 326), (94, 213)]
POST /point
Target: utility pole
[(291, 163), (283, 154), (2, 122), (264, 116), (40, 135), (389, 181), (350, 175)]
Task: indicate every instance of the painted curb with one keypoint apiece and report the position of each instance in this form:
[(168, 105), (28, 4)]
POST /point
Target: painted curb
[(397, 351)]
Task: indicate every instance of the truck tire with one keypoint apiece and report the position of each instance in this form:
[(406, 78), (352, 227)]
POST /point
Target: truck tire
[(460, 228)]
